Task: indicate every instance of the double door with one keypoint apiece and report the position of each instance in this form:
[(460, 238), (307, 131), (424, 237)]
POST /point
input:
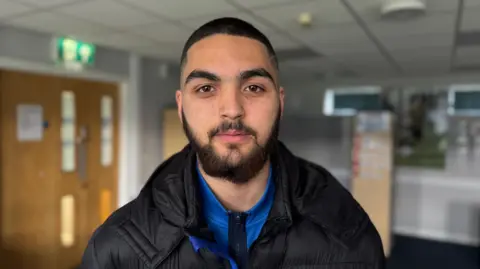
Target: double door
[(58, 167)]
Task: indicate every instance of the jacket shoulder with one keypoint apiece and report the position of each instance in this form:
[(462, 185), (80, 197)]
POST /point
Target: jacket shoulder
[(334, 209), (135, 235), (106, 245)]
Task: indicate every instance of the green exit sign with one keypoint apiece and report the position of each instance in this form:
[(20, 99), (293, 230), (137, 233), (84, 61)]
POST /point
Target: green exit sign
[(69, 50)]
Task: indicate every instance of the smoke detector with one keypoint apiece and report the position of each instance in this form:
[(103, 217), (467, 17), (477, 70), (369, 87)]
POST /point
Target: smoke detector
[(403, 9)]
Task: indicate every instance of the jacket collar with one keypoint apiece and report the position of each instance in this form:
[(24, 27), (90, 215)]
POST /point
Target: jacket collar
[(302, 189)]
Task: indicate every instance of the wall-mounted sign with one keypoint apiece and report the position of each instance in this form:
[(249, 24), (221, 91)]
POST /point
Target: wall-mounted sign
[(464, 100), (72, 51), (29, 122), (350, 101)]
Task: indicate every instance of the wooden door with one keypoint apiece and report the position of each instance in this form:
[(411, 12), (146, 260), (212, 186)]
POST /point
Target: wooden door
[(174, 138), (33, 182), (29, 175), (93, 185)]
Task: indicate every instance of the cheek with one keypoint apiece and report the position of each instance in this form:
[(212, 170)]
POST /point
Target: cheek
[(200, 120), (262, 119)]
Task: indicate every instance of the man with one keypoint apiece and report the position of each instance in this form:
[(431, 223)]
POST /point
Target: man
[(235, 197)]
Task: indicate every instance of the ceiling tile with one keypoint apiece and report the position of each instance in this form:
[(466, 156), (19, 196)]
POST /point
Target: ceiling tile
[(442, 6), (199, 21), (324, 13), (265, 3), (467, 55), (471, 3), (363, 63), (348, 39), (182, 9), (427, 60), (377, 69), (163, 51), (58, 24), (123, 40), (417, 41), (11, 9), (424, 66), (426, 69), (49, 3), (426, 54), (109, 13), (163, 32), (297, 53), (344, 35), (471, 19), (280, 42), (442, 23), (289, 73), (316, 64), (357, 59), (347, 48)]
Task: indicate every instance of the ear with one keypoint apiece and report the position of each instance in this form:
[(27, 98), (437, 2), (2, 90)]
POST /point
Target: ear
[(282, 100), (178, 99)]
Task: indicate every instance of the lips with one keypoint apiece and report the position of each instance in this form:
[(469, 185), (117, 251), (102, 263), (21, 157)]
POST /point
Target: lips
[(233, 133), (233, 136)]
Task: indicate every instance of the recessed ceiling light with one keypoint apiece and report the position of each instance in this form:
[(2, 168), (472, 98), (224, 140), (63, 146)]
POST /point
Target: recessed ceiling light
[(305, 19)]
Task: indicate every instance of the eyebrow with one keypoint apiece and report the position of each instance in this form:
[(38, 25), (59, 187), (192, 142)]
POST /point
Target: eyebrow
[(201, 74), (244, 75), (257, 72)]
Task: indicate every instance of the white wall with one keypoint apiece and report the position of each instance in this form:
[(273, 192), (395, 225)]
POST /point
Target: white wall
[(158, 93)]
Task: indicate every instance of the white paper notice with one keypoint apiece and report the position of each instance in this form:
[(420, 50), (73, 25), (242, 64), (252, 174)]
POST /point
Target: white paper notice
[(29, 122)]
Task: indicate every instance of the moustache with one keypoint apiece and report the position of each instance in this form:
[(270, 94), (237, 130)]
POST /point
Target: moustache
[(238, 126)]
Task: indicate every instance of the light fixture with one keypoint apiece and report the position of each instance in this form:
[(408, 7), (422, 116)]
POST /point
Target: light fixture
[(403, 9), (305, 19)]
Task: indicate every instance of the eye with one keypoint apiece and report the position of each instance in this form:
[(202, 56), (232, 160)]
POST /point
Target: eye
[(205, 89), (255, 89)]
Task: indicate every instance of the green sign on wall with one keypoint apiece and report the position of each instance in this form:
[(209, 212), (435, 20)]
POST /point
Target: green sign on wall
[(69, 50)]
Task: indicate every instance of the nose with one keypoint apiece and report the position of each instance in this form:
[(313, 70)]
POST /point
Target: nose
[(231, 104)]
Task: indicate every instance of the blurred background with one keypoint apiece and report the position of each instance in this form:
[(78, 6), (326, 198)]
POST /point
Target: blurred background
[(383, 93)]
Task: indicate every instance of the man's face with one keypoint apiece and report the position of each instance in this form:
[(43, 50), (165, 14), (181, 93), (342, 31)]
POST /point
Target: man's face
[(230, 105)]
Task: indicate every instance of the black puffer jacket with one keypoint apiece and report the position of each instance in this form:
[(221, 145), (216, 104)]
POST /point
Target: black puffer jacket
[(314, 223)]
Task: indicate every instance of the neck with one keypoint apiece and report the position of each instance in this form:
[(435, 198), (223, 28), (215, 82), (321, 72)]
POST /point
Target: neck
[(239, 197)]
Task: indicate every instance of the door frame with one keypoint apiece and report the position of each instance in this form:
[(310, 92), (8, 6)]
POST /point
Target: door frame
[(129, 143)]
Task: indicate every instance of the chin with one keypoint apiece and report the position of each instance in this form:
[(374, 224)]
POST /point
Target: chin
[(233, 149)]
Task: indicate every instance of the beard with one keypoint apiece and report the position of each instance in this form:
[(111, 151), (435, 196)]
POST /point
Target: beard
[(242, 170)]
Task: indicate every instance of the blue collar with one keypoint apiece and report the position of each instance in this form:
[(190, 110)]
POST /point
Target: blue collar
[(217, 216)]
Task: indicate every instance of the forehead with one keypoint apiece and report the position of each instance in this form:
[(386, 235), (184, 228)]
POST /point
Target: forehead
[(227, 55)]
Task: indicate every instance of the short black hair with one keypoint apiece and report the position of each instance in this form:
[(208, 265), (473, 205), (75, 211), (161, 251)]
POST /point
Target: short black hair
[(229, 26)]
